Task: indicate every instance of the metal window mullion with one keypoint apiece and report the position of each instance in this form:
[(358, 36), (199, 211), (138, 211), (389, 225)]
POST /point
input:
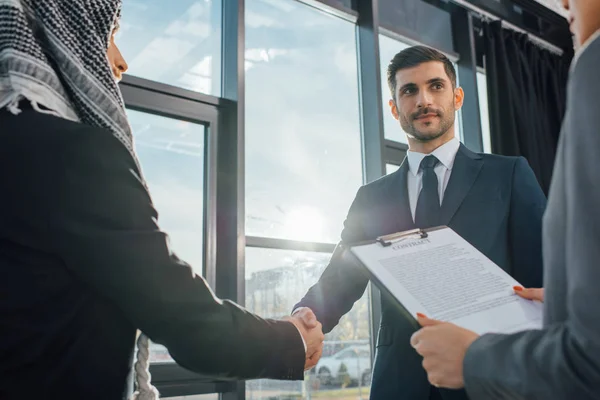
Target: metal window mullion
[(231, 172), (371, 118)]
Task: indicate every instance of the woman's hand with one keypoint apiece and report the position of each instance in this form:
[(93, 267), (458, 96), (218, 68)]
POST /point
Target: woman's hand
[(531, 293)]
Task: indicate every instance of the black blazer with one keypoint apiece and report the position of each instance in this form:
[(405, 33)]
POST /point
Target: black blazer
[(83, 264), (493, 202)]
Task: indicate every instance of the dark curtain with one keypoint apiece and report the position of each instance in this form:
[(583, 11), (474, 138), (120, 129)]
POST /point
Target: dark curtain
[(526, 97)]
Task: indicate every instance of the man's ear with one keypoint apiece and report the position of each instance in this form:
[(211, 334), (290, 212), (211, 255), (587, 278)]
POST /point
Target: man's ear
[(459, 98), (393, 109)]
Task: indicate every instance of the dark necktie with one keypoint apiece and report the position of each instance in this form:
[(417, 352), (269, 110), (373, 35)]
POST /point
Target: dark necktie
[(427, 213)]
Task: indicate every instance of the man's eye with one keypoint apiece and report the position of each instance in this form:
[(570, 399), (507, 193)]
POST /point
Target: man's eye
[(438, 86), (408, 91)]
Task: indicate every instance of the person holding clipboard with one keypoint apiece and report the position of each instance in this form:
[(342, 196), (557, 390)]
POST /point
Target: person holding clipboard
[(562, 360)]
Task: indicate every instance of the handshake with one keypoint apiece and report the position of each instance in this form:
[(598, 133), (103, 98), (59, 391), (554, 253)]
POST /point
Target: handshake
[(312, 332)]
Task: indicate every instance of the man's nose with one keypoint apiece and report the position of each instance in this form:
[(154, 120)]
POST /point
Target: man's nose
[(424, 99)]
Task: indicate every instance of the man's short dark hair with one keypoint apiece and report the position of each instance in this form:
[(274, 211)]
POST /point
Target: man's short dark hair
[(414, 56)]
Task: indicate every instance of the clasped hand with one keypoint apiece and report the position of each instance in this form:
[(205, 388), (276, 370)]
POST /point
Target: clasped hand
[(312, 332)]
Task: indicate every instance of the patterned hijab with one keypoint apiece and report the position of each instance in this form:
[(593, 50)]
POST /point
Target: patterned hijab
[(53, 53)]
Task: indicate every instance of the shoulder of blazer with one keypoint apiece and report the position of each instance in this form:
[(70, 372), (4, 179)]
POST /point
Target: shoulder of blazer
[(502, 162), (470, 154), (494, 160)]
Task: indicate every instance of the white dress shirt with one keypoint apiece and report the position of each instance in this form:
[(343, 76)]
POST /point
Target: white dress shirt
[(446, 153)]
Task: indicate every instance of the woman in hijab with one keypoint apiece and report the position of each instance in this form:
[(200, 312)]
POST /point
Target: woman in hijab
[(83, 262)]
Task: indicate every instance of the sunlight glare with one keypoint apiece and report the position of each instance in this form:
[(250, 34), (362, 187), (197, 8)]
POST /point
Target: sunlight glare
[(304, 223)]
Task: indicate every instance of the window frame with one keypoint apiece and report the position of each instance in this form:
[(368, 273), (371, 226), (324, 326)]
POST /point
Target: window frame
[(181, 104)]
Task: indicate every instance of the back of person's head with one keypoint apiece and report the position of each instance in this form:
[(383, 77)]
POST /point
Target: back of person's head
[(413, 57)]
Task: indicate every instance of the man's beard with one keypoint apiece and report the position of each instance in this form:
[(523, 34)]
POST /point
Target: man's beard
[(446, 122)]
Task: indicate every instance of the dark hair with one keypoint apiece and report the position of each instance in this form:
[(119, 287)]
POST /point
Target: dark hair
[(414, 56)]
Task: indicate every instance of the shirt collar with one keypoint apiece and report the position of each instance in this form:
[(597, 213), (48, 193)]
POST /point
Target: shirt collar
[(446, 153)]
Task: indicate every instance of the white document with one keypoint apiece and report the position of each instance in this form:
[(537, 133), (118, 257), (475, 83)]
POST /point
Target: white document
[(444, 277)]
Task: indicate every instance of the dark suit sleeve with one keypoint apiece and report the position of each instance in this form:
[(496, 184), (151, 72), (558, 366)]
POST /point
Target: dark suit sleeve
[(104, 226), (562, 361), (527, 206), (342, 283)]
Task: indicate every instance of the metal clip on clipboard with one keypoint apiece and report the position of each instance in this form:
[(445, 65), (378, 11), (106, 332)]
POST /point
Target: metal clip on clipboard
[(387, 240)]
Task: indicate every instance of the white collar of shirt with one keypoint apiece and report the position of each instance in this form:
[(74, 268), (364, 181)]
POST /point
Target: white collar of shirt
[(583, 47), (446, 153)]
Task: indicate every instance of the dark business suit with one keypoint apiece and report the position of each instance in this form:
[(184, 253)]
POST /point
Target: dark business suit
[(83, 264), (563, 360), (494, 202)]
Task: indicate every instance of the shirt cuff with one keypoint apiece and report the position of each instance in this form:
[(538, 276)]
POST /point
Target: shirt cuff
[(303, 342)]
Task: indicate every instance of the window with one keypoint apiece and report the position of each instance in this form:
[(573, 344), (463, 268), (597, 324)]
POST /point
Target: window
[(303, 149), (388, 48), (171, 153), (275, 281), (178, 44), (364, 353), (391, 168), (347, 355), (484, 112), (303, 169)]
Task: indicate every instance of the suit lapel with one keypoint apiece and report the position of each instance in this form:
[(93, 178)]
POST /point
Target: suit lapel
[(464, 172), (404, 219)]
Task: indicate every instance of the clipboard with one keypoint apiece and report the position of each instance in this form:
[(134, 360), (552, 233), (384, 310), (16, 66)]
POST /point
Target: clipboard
[(413, 281), (386, 241)]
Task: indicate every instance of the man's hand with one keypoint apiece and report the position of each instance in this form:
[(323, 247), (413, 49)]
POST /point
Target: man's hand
[(312, 332), (530, 294), (443, 346)]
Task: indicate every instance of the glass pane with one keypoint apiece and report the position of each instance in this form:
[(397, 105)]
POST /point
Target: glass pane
[(484, 112), (175, 42), (171, 153), (458, 127), (275, 281), (303, 154), (391, 168), (388, 48)]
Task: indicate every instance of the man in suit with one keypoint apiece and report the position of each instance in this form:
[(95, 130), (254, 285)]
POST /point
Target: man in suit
[(493, 202), (561, 361)]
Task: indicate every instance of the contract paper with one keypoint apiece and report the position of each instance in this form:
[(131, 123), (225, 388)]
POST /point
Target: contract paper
[(444, 277)]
